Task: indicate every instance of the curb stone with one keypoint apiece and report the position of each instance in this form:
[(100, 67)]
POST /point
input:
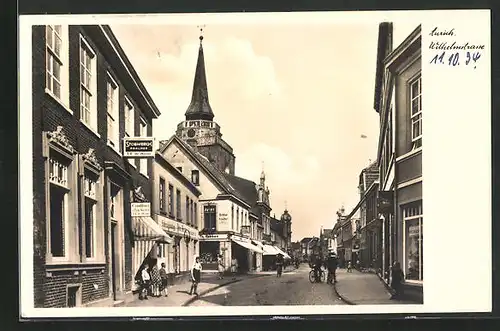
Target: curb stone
[(343, 298), (193, 299)]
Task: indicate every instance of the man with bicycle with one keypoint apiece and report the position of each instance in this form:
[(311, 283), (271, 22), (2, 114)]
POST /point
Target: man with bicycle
[(317, 263), (332, 264)]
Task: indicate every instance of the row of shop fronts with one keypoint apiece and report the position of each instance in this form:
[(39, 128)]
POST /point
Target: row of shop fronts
[(386, 225)]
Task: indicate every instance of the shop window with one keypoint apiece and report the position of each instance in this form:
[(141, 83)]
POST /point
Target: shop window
[(413, 239), (73, 296)]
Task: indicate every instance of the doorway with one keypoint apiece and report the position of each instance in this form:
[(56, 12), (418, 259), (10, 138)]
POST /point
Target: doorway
[(114, 259)]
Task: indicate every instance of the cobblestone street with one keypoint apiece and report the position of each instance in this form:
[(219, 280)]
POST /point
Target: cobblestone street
[(292, 288)]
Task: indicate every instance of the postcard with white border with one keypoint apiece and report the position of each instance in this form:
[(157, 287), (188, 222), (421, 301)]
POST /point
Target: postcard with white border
[(218, 164)]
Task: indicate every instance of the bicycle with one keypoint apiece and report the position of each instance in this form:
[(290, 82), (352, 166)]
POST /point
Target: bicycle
[(321, 276)]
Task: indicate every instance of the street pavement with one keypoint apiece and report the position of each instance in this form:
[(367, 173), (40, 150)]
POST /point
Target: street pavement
[(293, 288), (362, 288)]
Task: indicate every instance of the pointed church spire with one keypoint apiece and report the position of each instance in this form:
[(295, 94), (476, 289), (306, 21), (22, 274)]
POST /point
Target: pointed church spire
[(199, 108)]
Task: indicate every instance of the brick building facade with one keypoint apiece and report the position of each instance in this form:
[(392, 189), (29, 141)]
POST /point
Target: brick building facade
[(86, 98)]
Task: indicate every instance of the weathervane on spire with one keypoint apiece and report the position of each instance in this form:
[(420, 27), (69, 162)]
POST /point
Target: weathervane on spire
[(201, 27)]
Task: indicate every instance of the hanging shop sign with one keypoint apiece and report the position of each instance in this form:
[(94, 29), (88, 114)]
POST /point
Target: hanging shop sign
[(138, 147), (140, 209), (385, 202)]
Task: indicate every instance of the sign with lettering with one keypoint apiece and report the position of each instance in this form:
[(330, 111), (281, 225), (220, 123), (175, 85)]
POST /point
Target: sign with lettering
[(178, 229), (138, 147), (223, 217), (213, 237), (140, 209)]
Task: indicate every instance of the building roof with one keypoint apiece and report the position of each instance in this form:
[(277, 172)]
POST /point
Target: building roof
[(305, 240), (247, 189), (199, 108), (203, 163), (368, 176), (276, 225), (328, 233), (296, 245)]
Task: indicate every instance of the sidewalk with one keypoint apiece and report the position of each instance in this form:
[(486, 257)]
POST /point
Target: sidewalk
[(363, 288), (178, 295)]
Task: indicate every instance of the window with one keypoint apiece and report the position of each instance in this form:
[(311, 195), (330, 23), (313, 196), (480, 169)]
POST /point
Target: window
[(188, 214), (56, 69), (195, 177), (191, 213), (195, 218), (209, 214), (179, 211), (413, 239), (88, 106), (237, 218), (59, 204), (161, 198), (129, 115), (416, 112), (171, 200), (113, 117), (232, 216), (143, 132), (90, 210)]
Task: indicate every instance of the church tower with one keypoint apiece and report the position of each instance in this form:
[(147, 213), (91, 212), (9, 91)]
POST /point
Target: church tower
[(199, 129)]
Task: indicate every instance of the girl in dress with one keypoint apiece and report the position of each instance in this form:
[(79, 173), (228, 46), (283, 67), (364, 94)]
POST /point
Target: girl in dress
[(155, 281), (195, 276)]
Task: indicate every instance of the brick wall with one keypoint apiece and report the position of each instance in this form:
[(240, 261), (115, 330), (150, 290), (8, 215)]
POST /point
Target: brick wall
[(47, 115)]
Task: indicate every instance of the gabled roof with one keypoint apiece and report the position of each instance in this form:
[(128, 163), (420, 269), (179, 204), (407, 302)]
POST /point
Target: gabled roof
[(217, 176), (247, 190)]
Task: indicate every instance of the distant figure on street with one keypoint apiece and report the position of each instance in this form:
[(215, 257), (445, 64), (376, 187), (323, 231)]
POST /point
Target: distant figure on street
[(332, 264), (349, 266), (234, 267), (145, 282), (220, 266), (279, 265), (195, 276), (164, 280), (397, 280)]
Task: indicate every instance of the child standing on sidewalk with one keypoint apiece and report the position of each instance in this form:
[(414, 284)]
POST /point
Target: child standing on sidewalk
[(164, 281), (220, 266)]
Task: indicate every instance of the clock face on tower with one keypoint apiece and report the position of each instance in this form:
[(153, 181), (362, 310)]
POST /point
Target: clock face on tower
[(191, 133)]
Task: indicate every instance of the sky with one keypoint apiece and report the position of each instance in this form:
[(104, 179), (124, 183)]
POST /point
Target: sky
[(294, 99)]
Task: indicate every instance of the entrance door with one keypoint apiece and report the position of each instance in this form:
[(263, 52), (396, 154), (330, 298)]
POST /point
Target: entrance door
[(114, 260), (254, 261)]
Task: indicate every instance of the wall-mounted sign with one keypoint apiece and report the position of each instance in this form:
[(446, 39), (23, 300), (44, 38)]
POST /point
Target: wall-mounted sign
[(385, 202), (140, 209), (177, 229), (213, 237), (138, 147), (223, 217)]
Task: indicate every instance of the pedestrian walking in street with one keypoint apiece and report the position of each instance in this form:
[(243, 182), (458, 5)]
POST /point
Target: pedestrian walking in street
[(195, 276), (234, 267), (279, 265), (155, 281), (164, 280), (145, 283), (349, 266), (397, 280), (332, 265), (316, 264), (220, 266)]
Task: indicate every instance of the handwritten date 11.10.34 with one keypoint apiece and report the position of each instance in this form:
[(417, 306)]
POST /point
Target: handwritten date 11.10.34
[(454, 59)]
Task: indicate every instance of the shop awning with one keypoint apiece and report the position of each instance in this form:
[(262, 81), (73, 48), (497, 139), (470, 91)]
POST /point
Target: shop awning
[(270, 250), (248, 245), (285, 255), (146, 229)]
